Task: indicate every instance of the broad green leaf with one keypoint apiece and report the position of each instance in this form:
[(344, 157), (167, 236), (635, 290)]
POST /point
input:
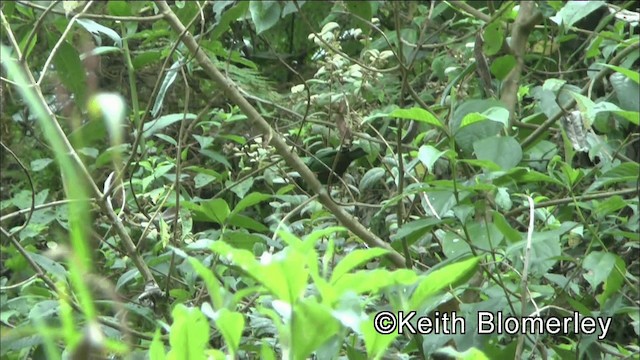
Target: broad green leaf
[(39, 164), (502, 150), (189, 334), (574, 11), (286, 276), (627, 92), (415, 229), (502, 66), (354, 259), (252, 199), (472, 118), (625, 172), (523, 175), (371, 177), (156, 349), (554, 85), (227, 16), (321, 233), (70, 70), (633, 75), (242, 240), (119, 8), (312, 325), (153, 126), (214, 287), (610, 205), (266, 351), (371, 281), (376, 343), (483, 164), (217, 157), (246, 222), (217, 210), (265, 14), (27, 49), (417, 114), (231, 325), (497, 114), (503, 199), (167, 81), (493, 38), (363, 10), (476, 127), (241, 188), (97, 29), (598, 266), (443, 278), (614, 281), (50, 266), (146, 58), (429, 155), (509, 232)]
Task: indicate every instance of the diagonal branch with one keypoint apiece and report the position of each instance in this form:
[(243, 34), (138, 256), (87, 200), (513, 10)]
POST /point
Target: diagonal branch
[(528, 16), (278, 142)]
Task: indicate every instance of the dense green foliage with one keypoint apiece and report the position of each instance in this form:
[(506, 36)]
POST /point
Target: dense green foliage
[(262, 179)]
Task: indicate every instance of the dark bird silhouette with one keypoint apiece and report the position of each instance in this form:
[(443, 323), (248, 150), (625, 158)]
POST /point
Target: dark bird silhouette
[(325, 160)]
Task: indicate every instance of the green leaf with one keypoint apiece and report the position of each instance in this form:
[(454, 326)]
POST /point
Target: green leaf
[(633, 75), (119, 8), (443, 278), (509, 232), (354, 259), (153, 126), (625, 172), (217, 210), (213, 285), (504, 151), (252, 199), (97, 29), (523, 175), (189, 333), (598, 266), (363, 10), (246, 222), (231, 325), (376, 343), (371, 177), (502, 66), (264, 14), (312, 325), (493, 38), (156, 349), (50, 266), (415, 229), (626, 91), (371, 281), (614, 281), (146, 58), (285, 276), (574, 11), (39, 164), (472, 118), (417, 114), (70, 71), (429, 155), (168, 80), (497, 114), (475, 127)]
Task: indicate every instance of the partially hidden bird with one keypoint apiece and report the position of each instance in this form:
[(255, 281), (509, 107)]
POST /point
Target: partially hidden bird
[(331, 163)]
